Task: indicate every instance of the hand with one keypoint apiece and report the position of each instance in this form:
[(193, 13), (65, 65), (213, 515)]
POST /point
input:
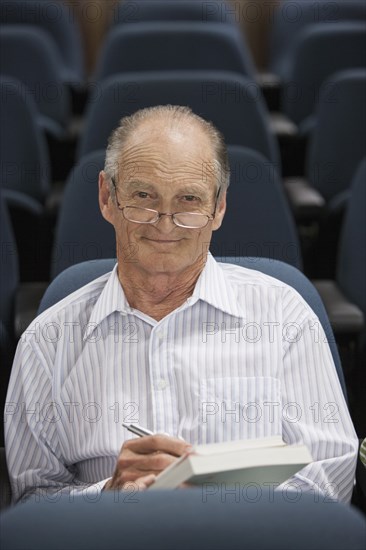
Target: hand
[(141, 483), (146, 455)]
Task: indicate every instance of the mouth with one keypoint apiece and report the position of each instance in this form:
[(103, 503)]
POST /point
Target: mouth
[(163, 241)]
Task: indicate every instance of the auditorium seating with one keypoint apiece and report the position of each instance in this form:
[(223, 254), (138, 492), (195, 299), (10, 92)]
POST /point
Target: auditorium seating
[(87, 239), (9, 279), (232, 102), (336, 146), (138, 11), (293, 17), (174, 45), (192, 52), (39, 72), (56, 19), (9, 269), (345, 297), (259, 221), (191, 519), (320, 51), (23, 148)]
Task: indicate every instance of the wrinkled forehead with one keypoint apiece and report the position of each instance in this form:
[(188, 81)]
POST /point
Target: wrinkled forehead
[(168, 154)]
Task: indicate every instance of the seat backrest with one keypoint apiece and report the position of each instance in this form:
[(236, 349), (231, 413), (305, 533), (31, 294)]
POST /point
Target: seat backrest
[(9, 269), (258, 221), (320, 51), (23, 149), (72, 278), (351, 268), (57, 20), (232, 102), (338, 142), (38, 70), (137, 11), (286, 520), (81, 231), (5, 492), (79, 275), (289, 18), (166, 46)]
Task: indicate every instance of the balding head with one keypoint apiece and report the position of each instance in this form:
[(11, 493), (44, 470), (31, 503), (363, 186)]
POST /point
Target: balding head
[(171, 124)]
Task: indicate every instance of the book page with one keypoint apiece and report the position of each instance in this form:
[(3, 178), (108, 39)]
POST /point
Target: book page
[(242, 444)]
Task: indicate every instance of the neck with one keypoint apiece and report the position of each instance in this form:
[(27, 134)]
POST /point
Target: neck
[(157, 294)]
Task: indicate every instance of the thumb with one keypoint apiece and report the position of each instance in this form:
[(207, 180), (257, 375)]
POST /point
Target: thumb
[(141, 483)]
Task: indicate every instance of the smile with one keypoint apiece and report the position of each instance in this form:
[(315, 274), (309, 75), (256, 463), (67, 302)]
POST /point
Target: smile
[(163, 241)]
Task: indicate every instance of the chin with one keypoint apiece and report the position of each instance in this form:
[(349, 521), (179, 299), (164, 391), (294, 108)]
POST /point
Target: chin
[(166, 262)]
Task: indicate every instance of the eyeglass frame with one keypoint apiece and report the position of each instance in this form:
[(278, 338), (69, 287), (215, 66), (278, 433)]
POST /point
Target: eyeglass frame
[(160, 214)]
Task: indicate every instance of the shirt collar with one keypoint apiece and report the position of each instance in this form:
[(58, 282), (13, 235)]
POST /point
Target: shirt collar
[(111, 299), (212, 287)]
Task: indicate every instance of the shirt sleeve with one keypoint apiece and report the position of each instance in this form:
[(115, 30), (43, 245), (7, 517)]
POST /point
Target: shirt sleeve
[(315, 411), (34, 456)]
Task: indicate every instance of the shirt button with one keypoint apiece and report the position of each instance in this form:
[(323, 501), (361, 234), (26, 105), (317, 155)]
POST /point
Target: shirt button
[(161, 384), (160, 335)]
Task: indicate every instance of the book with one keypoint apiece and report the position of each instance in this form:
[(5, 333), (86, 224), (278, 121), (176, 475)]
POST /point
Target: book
[(263, 460)]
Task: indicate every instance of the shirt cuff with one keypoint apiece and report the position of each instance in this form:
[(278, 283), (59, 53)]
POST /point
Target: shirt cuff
[(92, 492)]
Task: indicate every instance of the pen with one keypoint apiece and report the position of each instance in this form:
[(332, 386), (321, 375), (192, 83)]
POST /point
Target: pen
[(140, 431), (137, 430)]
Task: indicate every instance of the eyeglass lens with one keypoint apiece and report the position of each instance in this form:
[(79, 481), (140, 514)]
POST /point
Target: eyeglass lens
[(185, 219)]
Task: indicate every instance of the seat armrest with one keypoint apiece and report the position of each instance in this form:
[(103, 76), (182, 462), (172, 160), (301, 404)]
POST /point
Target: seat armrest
[(5, 488), (271, 87), (27, 300), (54, 200), (344, 316), (282, 126), (361, 468), (21, 202), (269, 80), (306, 202)]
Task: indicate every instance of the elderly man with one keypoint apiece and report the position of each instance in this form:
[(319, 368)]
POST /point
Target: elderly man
[(170, 339)]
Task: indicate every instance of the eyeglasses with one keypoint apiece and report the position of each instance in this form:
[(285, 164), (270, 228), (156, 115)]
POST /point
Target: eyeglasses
[(189, 220)]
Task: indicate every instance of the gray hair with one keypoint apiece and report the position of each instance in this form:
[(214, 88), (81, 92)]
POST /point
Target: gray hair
[(174, 114)]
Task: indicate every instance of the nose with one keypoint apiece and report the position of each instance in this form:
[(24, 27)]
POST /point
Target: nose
[(165, 221)]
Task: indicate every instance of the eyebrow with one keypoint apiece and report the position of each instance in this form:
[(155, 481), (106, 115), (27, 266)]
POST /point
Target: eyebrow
[(136, 184)]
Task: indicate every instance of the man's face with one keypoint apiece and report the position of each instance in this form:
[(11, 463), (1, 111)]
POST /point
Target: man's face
[(170, 171)]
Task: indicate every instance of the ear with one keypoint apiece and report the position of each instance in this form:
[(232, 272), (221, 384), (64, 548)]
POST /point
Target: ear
[(220, 212), (105, 199)]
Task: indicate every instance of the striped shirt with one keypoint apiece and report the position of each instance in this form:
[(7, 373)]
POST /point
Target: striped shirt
[(243, 357)]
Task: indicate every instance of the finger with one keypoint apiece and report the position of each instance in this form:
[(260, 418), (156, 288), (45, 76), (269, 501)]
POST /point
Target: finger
[(128, 480), (154, 464), (145, 481), (163, 443), (140, 483)]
